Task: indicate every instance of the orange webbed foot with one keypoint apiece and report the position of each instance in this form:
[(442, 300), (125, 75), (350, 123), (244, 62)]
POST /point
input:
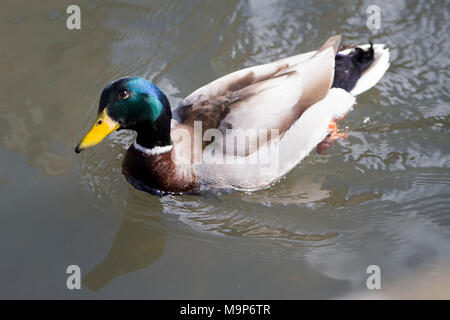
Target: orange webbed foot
[(331, 138)]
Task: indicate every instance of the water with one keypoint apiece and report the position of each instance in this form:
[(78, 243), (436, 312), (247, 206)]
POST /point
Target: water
[(381, 197)]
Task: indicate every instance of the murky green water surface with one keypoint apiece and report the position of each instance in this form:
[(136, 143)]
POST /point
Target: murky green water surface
[(380, 197)]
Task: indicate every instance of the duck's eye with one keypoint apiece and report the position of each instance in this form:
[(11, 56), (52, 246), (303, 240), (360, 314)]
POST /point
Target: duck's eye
[(124, 94)]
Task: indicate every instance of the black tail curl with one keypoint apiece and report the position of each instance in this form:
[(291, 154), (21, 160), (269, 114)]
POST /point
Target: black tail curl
[(348, 68)]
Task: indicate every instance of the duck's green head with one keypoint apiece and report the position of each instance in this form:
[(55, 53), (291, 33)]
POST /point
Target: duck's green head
[(131, 103)]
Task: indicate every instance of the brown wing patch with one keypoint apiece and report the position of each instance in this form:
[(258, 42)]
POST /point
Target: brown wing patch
[(211, 110)]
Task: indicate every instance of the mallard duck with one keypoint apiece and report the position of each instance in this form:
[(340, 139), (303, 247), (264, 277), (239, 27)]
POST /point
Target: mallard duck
[(243, 131)]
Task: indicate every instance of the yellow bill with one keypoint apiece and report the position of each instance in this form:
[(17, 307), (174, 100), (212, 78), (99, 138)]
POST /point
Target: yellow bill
[(102, 127)]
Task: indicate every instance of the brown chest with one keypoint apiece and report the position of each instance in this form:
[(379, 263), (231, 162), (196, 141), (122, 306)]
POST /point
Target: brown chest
[(156, 171)]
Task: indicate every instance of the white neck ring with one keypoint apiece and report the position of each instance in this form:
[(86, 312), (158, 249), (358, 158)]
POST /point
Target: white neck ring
[(154, 150)]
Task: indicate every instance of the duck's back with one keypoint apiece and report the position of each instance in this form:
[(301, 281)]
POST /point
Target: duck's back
[(266, 97), (290, 100)]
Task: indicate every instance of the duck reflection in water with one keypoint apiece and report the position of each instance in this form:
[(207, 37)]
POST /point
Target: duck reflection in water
[(139, 243)]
